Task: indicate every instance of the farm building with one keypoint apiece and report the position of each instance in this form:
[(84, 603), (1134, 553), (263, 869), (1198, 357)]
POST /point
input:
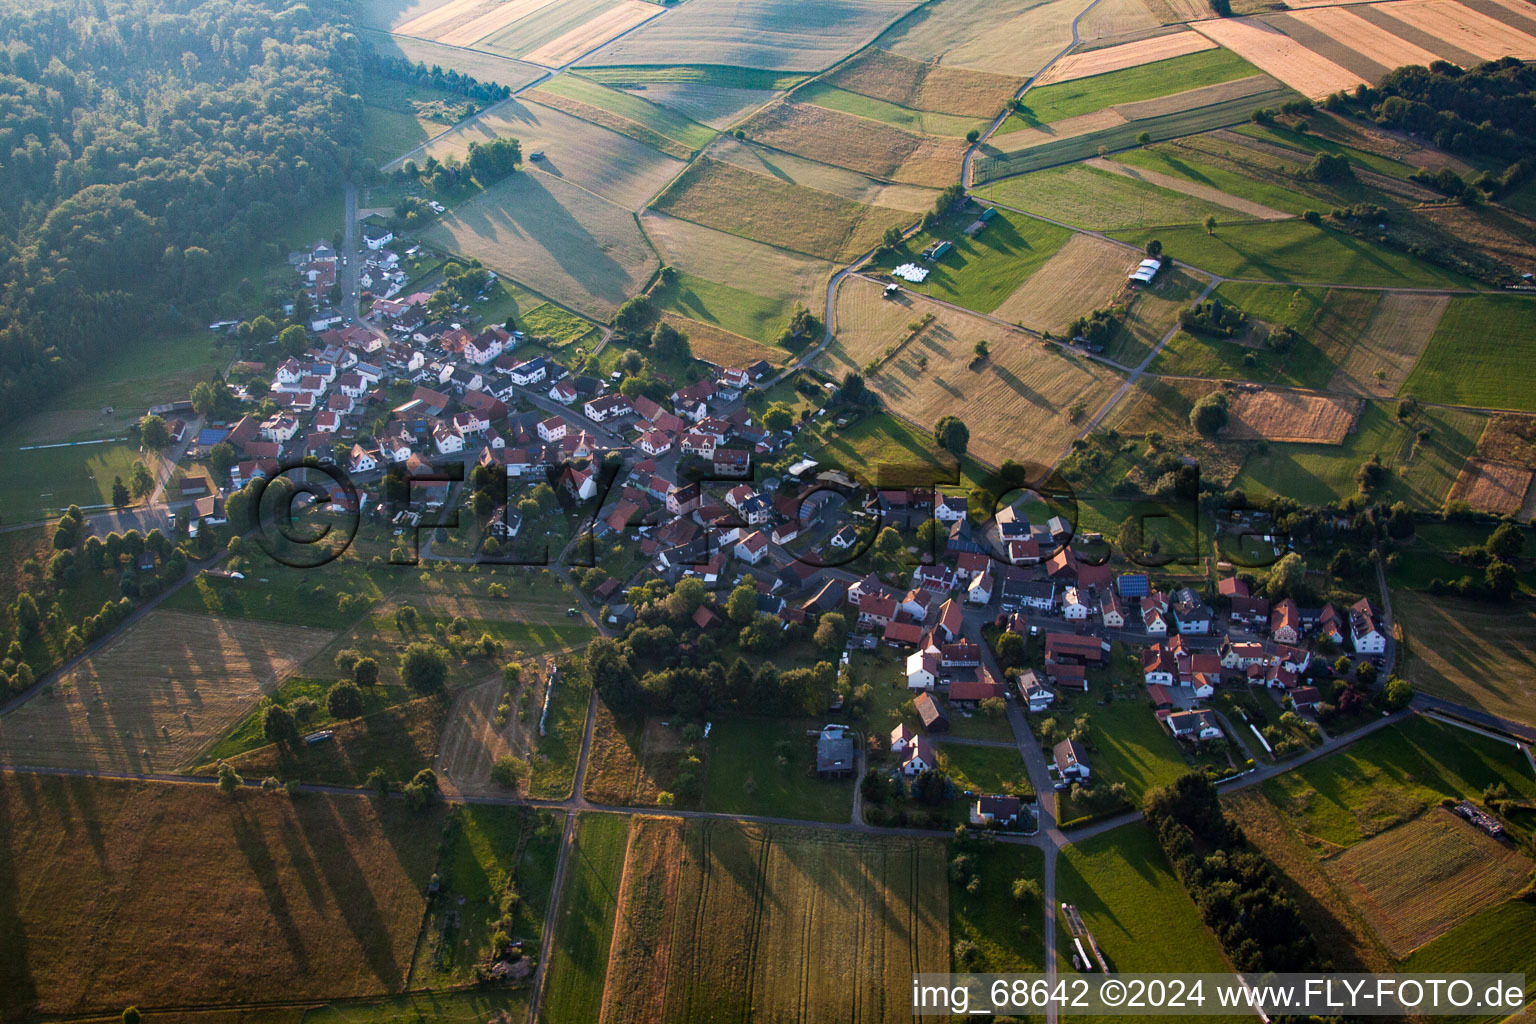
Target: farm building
[(928, 710)]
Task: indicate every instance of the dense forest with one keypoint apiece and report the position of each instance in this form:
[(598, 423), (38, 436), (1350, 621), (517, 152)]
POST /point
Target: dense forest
[(147, 149)]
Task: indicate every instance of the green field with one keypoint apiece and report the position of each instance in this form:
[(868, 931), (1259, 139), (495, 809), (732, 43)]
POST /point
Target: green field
[(1317, 474), (1133, 904), (744, 776), (925, 122), (398, 117), (1144, 82), (1180, 163), (549, 320), (584, 929), (1129, 744), (247, 734), (889, 453), (1310, 143), (1392, 775), (979, 273), (999, 161), (1096, 199), (489, 849), (45, 481), (1006, 931), (985, 769), (1478, 653), (1293, 250), (661, 120), (1483, 354), (729, 308), (1497, 939)]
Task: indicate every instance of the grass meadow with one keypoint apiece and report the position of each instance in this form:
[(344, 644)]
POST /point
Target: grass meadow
[(1471, 652), (584, 927), (748, 772), (1005, 931), (926, 122), (1095, 199), (1483, 353), (1147, 81), (725, 306)]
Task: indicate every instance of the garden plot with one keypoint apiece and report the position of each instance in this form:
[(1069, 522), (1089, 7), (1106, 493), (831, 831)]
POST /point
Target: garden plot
[(1398, 331), (606, 163), (1423, 877), (1018, 402), (1493, 487), (548, 234), (716, 915), (882, 150), (1085, 274), (1271, 50), (722, 196), (157, 694), (1008, 37), (1125, 55), (472, 742), (922, 85), (1272, 414), (807, 36)]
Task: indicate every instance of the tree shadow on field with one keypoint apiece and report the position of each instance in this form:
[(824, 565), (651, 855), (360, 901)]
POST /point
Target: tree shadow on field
[(248, 837), (348, 884)]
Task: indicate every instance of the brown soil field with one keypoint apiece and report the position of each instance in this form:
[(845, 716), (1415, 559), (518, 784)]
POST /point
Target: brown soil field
[(123, 893), (1016, 401), (1505, 235), (631, 766), (1087, 273), (1461, 26), (608, 119), (718, 256), (716, 915), (723, 348), (1279, 55), (840, 181), (1009, 37), (1365, 38), (592, 34), (883, 151), (924, 86), (1392, 340), (471, 743), (1328, 912), (1208, 193), (1117, 19), (157, 694), (1126, 55), (1272, 414), (1509, 438), (723, 196), (462, 22), (1423, 877), (1492, 487)]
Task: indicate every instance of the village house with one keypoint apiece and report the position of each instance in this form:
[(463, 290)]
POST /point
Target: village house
[(1071, 760), (1285, 622), (753, 548), (1363, 630), (1194, 725), (923, 669), (1002, 811), (1037, 697)]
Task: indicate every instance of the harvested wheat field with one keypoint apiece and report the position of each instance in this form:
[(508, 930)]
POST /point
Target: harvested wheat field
[(1117, 19), (1126, 55), (718, 256), (1509, 438), (1019, 401), (723, 196), (1301, 417), (717, 915), (1087, 273), (723, 348), (593, 33), (152, 698), (840, 181), (882, 150), (1463, 27), (461, 22), (1276, 53), (1391, 342), (1365, 38), (807, 36), (926, 86), (557, 239), (1008, 37), (1173, 12), (122, 893), (1420, 879), (1493, 487)]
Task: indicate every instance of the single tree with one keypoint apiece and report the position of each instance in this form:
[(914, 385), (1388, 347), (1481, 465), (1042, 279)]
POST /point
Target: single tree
[(344, 700), (229, 779), (778, 416), (1209, 223), (140, 480), (154, 434), (365, 672), (981, 349), (278, 724), (424, 667), (952, 434), (120, 496)]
